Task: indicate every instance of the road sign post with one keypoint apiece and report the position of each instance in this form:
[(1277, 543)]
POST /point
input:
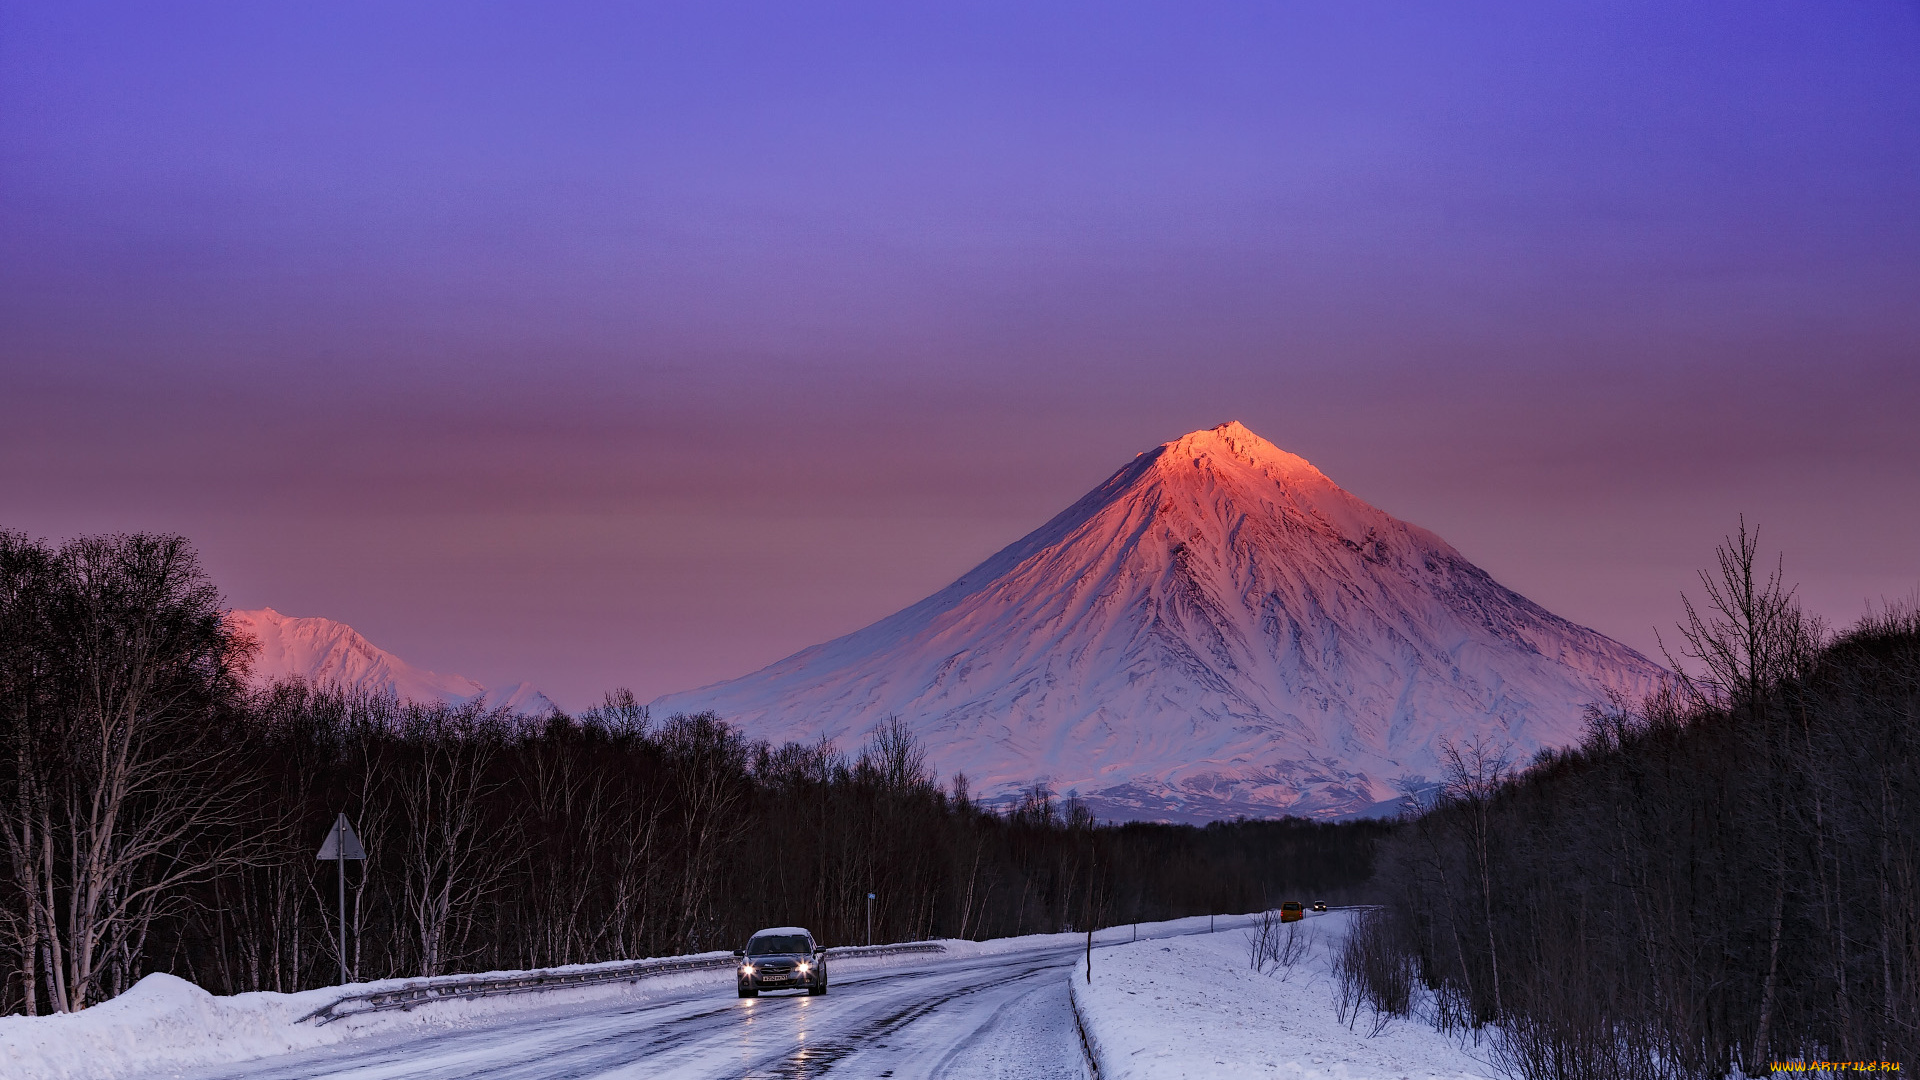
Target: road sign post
[(340, 845), (869, 918)]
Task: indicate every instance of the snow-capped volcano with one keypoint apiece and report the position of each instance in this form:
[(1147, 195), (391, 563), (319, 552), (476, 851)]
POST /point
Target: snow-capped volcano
[(325, 652), (1218, 629)]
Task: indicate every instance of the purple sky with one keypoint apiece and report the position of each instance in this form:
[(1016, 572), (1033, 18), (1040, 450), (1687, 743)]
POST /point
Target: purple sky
[(595, 348)]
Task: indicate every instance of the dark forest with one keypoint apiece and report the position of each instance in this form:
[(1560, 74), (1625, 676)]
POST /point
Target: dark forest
[(1726, 875)]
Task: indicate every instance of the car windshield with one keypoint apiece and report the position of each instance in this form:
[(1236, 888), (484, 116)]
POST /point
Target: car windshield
[(771, 944)]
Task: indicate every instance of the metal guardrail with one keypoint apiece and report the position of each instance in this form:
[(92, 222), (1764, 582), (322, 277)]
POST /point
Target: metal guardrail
[(412, 995), (854, 952)]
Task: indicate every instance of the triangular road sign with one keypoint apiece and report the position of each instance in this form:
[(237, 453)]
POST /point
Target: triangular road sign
[(342, 834)]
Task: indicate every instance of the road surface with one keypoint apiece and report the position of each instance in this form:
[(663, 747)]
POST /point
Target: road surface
[(1003, 1017)]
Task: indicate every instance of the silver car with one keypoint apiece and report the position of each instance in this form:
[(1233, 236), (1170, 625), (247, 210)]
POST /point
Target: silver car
[(782, 958)]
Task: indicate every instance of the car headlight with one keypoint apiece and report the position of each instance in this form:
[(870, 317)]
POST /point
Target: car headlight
[(746, 969), (803, 966)]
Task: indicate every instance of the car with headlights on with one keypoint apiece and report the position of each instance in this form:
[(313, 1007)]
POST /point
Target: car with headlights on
[(782, 958)]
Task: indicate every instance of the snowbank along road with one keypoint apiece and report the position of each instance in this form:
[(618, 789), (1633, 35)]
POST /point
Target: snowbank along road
[(1003, 1015), (1197, 1009)]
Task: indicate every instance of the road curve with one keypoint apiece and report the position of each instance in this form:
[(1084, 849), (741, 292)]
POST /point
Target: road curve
[(1002, 1017)]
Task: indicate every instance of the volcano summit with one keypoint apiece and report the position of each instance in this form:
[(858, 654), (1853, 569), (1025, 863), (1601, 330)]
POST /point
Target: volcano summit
[(1217, 630)]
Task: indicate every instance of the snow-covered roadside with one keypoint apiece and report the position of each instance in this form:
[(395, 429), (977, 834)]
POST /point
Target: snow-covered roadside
[(165, 1023), (1192, 1008)]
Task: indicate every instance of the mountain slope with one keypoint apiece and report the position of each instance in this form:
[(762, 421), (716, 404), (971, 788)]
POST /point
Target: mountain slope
[(325, 652), (1218, 629)]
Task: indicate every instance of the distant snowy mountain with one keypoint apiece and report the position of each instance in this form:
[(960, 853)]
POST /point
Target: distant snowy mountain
[(1217, 630), (324, 652)]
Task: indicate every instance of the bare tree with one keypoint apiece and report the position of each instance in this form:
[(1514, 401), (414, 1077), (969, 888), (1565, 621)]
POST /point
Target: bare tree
[(27, 572), (122, 779), (377, 800), (1751, 634), (707, 761), (1474, 776), (1752, 637), (619, 713), (897, 757), (452, 858)]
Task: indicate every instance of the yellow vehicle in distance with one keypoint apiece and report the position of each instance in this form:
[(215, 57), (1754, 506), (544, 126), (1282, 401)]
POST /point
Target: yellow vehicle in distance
[(1291, 911)]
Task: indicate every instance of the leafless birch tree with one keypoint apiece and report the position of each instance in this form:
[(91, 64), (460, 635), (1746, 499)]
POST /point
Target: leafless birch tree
[(121, 782)]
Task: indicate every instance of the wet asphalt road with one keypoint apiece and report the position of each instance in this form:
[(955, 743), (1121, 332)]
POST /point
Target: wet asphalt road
[(1004, 1017)]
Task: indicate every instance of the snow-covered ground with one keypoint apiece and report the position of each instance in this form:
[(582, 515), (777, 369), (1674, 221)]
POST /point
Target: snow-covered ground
[(167, 1026), (1193, 1008), (167, 1022), (1178, 1003)]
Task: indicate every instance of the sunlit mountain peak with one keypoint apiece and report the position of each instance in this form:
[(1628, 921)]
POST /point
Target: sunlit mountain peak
[(1217, 629)]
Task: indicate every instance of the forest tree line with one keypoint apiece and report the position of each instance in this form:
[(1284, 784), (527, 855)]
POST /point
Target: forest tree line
[(161, 815), (1720, 877)]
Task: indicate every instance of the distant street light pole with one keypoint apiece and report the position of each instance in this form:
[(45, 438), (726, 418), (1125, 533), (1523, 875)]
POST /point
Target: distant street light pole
[(869, 918), (340, 845)]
